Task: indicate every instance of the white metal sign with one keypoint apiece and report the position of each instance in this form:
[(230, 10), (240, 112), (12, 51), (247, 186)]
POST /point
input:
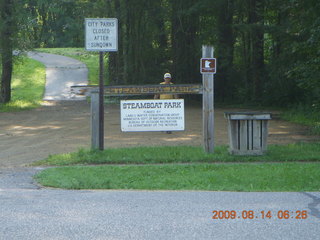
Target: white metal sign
[(101, 34), (152, 115)]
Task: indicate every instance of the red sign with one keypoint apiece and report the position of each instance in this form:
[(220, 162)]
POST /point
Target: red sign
[(208, 65)]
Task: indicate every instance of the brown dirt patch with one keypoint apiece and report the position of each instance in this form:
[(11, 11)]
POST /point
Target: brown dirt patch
[(61, 127)]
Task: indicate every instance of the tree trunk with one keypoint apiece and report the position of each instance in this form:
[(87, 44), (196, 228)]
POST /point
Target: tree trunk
[(256, 19), (225, 50), (6, 78), (116, 64), (6, 50), (185, 25)]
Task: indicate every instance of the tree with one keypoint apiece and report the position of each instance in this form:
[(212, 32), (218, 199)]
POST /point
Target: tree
[(305, 48), (293, 59), (267, 51), (225, 49), (185, 45), (141, 57), (58, 23), (256, 20), (6, 48)]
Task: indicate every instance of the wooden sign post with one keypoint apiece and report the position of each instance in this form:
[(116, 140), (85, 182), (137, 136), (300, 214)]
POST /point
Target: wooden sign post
[(208, 68), (127, 90)]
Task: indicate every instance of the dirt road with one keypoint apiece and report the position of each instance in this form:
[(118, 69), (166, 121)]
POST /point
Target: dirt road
[(64, 126)]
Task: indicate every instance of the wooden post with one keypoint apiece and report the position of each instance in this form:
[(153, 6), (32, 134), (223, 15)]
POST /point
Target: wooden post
[(101, 103), (95, 119), (207, 104)]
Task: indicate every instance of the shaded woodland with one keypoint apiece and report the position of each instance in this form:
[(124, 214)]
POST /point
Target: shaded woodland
[(268, 52)]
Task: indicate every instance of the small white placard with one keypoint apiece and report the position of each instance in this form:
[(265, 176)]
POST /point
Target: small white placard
[(152, 115), (101, 34)]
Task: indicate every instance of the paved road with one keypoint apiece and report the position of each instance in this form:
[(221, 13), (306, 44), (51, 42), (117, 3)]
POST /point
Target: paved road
[(30, 212), (61, 73)]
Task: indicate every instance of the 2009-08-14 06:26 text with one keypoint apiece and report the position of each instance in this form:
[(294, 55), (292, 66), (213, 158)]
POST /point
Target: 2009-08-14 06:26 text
[(251, 214)]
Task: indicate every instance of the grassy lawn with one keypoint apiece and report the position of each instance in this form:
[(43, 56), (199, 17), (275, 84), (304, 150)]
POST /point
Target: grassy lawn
[(28, 83), (306, 115), (212, 177), (186, 168), (91, 59), (182, 154)]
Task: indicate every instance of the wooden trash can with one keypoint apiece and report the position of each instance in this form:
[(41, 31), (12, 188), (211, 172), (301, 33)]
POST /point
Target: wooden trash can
[(248, 132)]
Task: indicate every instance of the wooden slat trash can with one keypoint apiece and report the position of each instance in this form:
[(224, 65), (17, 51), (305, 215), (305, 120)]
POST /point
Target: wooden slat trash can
[(248, 132)]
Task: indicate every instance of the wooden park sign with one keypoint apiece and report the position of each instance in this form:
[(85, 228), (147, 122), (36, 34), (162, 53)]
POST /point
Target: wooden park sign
[(140, 90), (93, 92), (206, 89)]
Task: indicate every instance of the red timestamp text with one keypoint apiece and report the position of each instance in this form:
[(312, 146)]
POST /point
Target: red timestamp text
[(251, 214)]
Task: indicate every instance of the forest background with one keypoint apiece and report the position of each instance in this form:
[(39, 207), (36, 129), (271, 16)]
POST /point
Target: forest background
[(268, 51)]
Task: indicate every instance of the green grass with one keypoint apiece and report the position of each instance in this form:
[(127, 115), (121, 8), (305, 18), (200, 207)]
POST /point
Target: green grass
[(212, 177), (186, 168), (28, 84), (91, 59), (306, 115), (182, 154)]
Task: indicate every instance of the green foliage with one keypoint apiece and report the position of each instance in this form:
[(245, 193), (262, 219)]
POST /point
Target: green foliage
[(57, 23), (143, 45), (295, 177), (293, 66), (28, 83), (308, 115), (268, 51)]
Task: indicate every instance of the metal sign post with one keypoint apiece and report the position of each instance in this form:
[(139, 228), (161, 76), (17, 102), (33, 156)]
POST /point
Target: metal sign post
[(208, 68), (101, 34), (101, 102)]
